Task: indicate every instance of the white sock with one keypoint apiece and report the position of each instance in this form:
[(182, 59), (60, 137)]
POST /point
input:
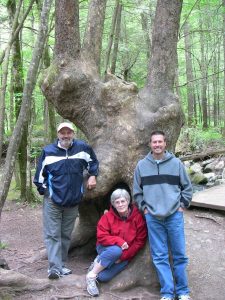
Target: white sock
[(91, 274)]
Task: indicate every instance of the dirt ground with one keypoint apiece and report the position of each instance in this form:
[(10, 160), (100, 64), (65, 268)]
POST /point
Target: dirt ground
[(21, 232)]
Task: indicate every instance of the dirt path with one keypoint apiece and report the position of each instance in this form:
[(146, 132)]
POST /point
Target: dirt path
[(21, 231)]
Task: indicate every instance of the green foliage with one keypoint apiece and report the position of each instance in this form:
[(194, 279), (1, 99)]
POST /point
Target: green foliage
[(196, 139), (14, 192), (3, 245)]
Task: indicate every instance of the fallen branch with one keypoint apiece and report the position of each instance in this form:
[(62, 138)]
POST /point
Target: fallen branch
[(209, 218), (202, 156), (56, 297)]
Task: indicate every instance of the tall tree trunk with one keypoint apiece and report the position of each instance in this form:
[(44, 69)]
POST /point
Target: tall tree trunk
[(116, 40), (146, 27), (204, 78), (11, 102), (223, 3), (18, 91), (93, 36), (26, 102), (128, 59), (189, 74), (4, 79), (50, 110), (111, 36), (215, 91), (30, 195)]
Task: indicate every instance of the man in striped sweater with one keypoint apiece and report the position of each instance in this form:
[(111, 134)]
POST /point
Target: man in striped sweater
[(162, 190)]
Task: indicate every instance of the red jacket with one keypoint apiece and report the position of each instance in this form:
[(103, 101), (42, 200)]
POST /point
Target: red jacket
[(112, 230)]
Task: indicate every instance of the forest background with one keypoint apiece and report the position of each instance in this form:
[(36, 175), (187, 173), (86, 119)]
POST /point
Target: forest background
[(126, 49)]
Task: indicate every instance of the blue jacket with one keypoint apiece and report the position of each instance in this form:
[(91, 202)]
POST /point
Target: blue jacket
[(59, 174), (161, 187)]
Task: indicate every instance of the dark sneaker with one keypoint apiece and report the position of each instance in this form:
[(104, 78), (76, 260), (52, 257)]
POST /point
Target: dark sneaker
[(53, 274), (66, 271), (92, 288)]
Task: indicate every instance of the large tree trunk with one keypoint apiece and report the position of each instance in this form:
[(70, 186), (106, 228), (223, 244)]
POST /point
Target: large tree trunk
[(115, 117)]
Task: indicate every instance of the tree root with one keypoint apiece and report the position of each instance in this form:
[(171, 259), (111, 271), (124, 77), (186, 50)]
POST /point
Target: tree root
[(16, 282), (56, 297), (214, 219)]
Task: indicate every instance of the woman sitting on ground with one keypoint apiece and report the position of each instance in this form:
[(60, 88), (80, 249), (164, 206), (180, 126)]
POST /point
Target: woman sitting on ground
[(121, 233)]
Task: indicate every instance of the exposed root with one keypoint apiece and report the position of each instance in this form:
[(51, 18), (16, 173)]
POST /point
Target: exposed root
[(56, 297)]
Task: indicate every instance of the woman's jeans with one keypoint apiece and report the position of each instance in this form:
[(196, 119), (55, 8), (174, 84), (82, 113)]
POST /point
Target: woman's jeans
[(107, 256), (164, 235)]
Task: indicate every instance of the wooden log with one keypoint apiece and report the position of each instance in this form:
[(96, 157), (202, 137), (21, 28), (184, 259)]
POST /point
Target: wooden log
[(202, 156)]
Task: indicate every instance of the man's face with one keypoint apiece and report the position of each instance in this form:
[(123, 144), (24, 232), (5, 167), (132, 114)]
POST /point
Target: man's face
[(65, 136), (158, 144)]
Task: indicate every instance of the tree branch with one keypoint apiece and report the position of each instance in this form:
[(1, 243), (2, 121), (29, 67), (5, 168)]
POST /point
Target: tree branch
[(164, 40), (94, 30), (67, 35)]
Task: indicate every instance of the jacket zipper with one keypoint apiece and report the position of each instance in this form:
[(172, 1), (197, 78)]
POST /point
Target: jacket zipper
[(158, 168), (69, 178)]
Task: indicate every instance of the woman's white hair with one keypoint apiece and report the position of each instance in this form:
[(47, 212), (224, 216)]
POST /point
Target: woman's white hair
[(120, 193)]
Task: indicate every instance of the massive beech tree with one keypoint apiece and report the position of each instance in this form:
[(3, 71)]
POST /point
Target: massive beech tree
[(114, 115)]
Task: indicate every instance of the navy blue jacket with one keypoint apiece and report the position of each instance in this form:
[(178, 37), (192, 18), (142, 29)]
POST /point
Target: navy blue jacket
[(59, 174)]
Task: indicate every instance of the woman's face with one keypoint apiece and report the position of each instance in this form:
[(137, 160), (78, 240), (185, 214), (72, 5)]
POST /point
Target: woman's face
[(121, 205)]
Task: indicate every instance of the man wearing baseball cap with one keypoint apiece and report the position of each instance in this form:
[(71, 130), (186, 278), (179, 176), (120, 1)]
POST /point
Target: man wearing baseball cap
[(59, 177)]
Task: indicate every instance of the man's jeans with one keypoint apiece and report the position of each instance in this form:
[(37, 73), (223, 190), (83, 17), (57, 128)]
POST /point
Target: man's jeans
[(58, 226), (107, 256), (161, 233)]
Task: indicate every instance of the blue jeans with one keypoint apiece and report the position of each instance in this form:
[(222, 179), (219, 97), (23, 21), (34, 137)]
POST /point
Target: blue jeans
[(58, 225), (107, 256), (165, 234)]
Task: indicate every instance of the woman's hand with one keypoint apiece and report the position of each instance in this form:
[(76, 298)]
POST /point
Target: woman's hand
[(118, 261), (145, 211), (125, 246)]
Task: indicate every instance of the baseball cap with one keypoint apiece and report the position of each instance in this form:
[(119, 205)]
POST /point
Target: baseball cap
[(65, 125)]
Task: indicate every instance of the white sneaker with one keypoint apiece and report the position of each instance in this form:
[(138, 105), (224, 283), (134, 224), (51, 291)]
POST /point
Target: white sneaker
[(166, 298), (184, 297), (92, 288), (66, 271)]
